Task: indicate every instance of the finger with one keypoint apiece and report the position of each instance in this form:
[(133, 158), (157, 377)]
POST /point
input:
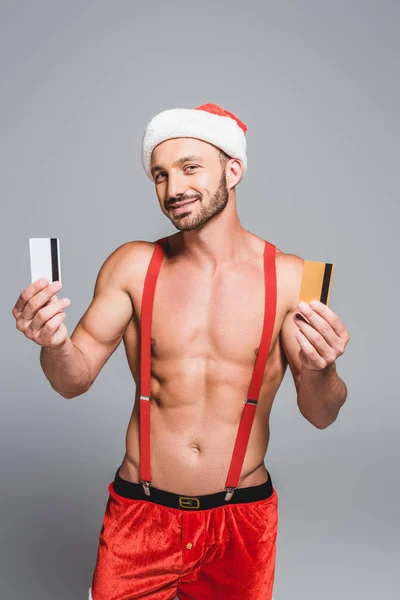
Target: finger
[(309, 350), (46, 313), (313, 337), (326, 313), (53, 299), (50, 328), (319, 323), (39, 299), (27, 293)]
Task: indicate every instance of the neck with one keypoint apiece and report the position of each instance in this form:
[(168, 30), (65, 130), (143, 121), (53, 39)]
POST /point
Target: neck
[(220, 242)]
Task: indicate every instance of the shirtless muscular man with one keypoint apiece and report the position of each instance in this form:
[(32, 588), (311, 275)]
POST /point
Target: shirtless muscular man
[(208, 320)]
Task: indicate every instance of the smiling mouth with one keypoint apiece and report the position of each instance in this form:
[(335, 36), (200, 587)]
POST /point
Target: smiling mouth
[(182, 205)]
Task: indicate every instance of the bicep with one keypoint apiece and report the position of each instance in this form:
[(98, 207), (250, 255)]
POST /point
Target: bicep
[(100, 330)]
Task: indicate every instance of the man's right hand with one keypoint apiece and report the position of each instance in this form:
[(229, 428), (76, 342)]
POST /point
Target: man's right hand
[(39, 314)]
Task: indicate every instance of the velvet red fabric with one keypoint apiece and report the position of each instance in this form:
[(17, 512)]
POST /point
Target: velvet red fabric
[(147, 550)]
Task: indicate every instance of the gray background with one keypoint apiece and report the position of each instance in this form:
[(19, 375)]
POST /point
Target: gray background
[(317, 85)]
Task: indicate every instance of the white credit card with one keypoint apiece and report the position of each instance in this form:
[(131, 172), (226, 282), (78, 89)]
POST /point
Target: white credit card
[(45, 259)]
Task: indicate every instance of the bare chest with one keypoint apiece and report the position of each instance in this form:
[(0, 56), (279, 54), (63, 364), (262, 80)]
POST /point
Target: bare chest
[(202, 320)]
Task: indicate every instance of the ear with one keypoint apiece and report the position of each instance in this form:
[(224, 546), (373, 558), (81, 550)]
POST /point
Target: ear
[(233, 172)]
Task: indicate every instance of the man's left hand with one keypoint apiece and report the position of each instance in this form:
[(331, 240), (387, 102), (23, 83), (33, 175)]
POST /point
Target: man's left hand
[(321, 340)]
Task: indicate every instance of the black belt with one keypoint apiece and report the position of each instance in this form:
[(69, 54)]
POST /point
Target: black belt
[(135, 491)]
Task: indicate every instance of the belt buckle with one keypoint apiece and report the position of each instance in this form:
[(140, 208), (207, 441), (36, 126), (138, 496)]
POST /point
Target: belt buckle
[(187, 502)]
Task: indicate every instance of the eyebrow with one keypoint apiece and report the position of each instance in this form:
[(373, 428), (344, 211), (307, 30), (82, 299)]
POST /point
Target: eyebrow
[(178, 163)]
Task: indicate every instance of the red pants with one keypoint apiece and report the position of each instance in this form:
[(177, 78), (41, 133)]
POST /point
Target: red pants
[(155, 552)]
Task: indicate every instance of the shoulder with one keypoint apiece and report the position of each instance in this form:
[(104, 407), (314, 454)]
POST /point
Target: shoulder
[(126, 262), (289, 268), (138, 249), (291, 264)]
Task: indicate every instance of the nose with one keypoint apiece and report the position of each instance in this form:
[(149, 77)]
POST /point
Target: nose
[(176, 186)]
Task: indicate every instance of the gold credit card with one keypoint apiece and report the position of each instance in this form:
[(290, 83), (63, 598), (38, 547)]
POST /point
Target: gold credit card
[(316, 282)]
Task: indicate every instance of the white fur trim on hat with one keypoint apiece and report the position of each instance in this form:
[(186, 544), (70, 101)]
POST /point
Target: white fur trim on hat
[(220, 130)]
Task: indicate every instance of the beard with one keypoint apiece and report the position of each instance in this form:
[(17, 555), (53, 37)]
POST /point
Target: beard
[(186, 221)]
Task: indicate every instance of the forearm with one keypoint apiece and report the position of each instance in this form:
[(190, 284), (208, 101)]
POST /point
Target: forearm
[(66, 369), (321, 395)]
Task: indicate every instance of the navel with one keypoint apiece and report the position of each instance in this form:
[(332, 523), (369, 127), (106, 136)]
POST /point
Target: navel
[(195, 448)]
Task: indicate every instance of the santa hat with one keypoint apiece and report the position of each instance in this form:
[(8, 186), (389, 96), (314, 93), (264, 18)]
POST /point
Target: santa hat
[(208, 122)]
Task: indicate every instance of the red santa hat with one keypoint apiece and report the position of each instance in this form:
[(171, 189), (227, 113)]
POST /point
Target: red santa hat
[(208, 122)]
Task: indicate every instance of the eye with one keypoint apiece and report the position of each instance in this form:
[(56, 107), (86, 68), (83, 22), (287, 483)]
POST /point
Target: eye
[(188, 167)]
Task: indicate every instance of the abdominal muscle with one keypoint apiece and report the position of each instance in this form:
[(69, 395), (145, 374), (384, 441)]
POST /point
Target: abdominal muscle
[(192, 434), (203, 350)]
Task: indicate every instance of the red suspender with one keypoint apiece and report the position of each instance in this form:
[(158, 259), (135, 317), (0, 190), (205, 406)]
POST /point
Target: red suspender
[(250, 406), (145, 361)]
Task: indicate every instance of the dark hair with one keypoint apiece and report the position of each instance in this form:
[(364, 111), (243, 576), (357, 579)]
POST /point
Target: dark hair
[(223, 159)]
